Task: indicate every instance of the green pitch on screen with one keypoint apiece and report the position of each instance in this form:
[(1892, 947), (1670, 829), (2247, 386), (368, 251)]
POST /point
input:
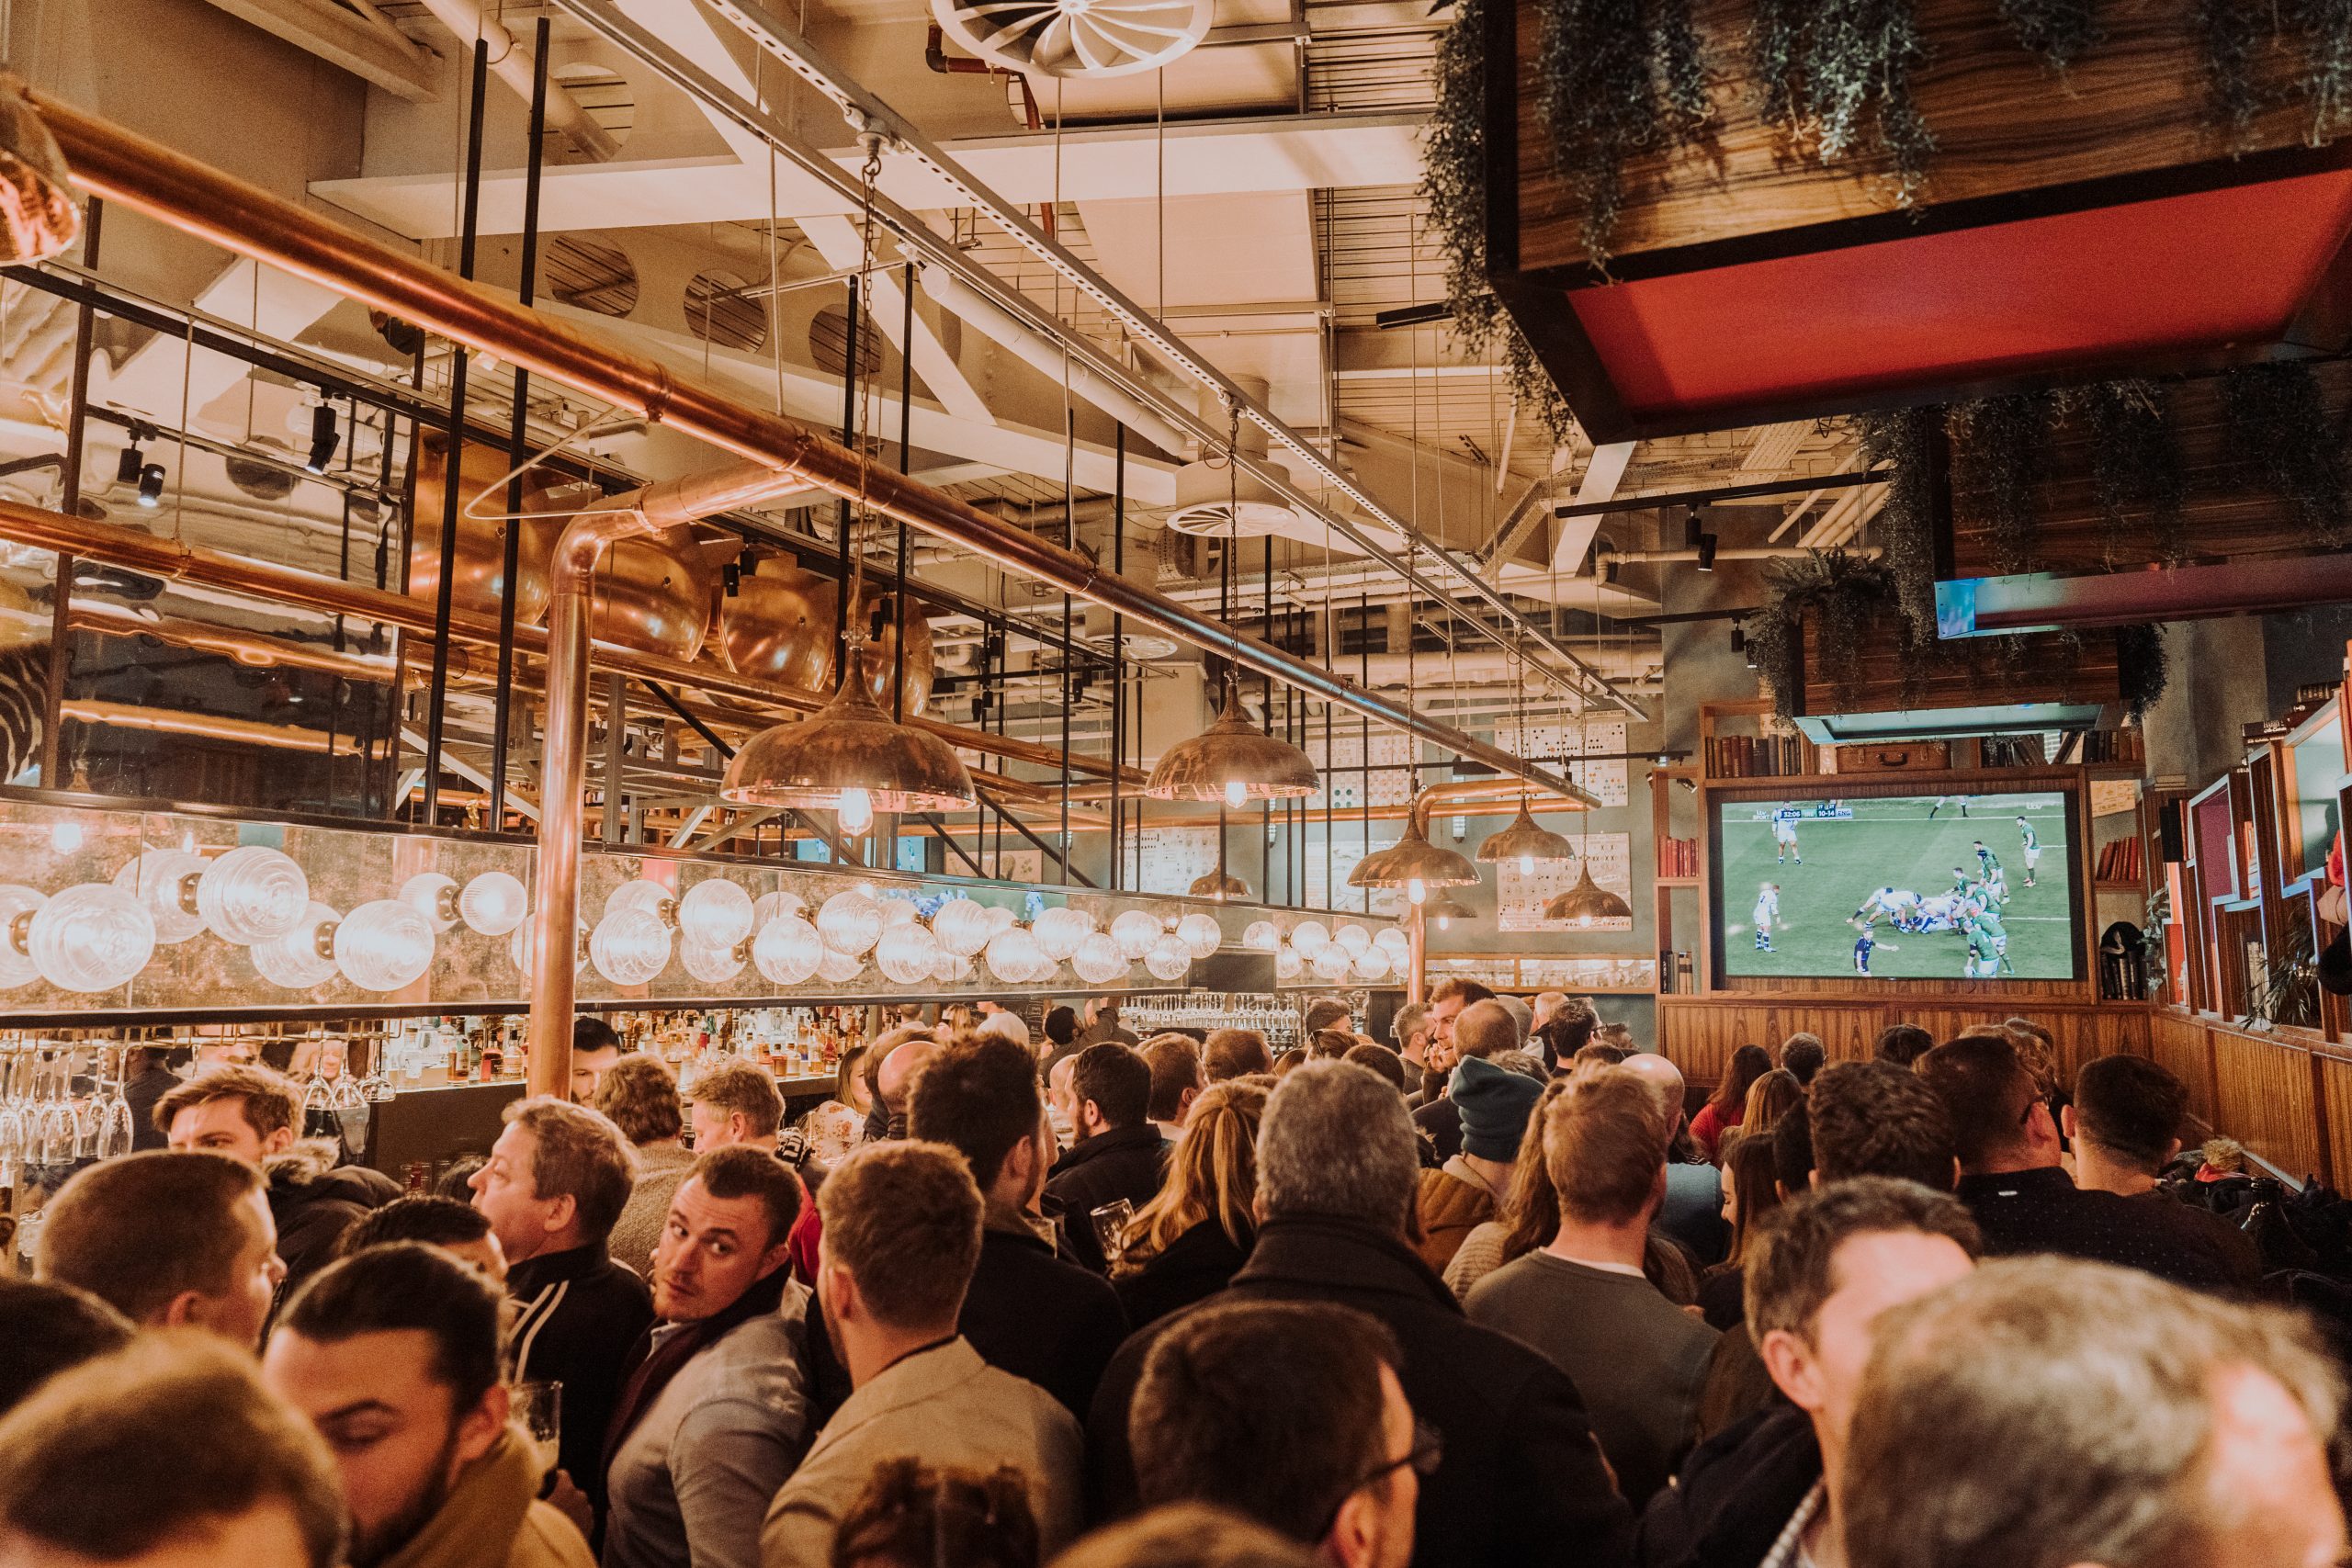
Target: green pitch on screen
[(1837, 863)]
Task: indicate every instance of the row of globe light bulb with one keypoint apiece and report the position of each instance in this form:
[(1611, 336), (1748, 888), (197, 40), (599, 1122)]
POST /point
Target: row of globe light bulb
[(854, 807), (1347, 952)]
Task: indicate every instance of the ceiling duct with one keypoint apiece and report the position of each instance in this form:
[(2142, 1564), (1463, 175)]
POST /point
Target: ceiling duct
[(1077, 39), (1217, 500)]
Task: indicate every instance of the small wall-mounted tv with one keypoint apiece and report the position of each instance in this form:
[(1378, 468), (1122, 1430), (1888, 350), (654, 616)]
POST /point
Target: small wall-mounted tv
[(1905, 888)]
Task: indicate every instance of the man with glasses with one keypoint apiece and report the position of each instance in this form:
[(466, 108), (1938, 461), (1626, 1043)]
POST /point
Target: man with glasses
[(2013, 1183), (1290, 1413)]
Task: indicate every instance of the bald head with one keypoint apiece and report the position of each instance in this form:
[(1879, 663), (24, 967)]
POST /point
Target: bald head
[(1486, 1028), (1662, 1075), (898, 1069)]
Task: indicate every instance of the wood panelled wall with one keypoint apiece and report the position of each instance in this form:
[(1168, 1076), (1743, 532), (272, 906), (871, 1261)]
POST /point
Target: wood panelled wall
[(2286, 1096), (1698, 1034)]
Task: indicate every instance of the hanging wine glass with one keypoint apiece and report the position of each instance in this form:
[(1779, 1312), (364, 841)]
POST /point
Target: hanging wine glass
[(116, 1130)]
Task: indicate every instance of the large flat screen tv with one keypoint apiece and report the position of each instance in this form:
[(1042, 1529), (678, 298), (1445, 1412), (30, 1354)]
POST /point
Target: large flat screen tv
[(1907, 887)]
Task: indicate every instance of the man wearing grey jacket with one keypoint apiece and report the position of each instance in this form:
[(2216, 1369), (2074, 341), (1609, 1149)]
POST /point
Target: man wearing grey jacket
[(714, 1413)]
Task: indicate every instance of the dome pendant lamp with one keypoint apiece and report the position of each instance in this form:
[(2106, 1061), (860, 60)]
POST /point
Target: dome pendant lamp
[(1525, 841), (1415, 864), (1587, 903), (37, 217), (1232, 763)]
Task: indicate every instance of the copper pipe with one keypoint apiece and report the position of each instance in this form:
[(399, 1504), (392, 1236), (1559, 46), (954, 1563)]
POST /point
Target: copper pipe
[(186, 194), (1416, 956), (211, 727), (252, 649)]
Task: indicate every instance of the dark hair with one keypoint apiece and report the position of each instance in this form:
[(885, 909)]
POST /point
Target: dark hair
[(1792, 1149), (1569, 1029), (1789, 1271), (437, 1222), (1175, 1064), (112, 1459), (913, 1515), (1747, 1064), (978, 1097), (904, 1218), (139, 1230), (1330, 1044), (1273, 1408), (1876, 1119), (1380, 1059), (270, 1098), (1988, 1090), (2130, 1107), (456, 1181), (1454, 986), (640, 1094), (1322, 1013), (748, 1089), (579, 1153), (1485, 1028), (1117, 1080), (1061, 1025), (1606, 1056), (1803, 1055), (741, 1171), (1752, 1168), (1902, 1044), (406, 1286), (45, 1329), (590, 1033), (1234, 1052), (1187, 1535)]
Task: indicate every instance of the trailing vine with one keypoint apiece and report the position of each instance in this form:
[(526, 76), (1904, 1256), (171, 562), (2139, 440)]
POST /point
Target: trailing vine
[(1998, 448), (2232, 34), (1843, 69), (2134, 460), (1845, 593), (1614, 78), (2142, 665), (2278, 420), (2061, 31), (1906, 522)]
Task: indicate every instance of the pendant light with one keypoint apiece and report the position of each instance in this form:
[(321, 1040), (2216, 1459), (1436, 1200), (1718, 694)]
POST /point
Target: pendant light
[(37, 217), (1587, 903), (1219, 884), (1526, 842), (1443, 909), (851, 757), (1415, 864)]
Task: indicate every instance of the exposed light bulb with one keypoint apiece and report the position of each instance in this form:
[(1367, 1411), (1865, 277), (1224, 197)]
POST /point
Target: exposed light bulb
[(1445, 922), (1527, 866), (857, 811), (65, 837), (1417, 890), (1237, 794)]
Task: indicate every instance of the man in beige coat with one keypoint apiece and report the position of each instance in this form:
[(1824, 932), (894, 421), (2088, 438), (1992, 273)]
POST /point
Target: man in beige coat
[(902, 1238)]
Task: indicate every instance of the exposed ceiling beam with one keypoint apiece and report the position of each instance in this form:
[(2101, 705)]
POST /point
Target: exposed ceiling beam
[(1603, 474), (346, 39)]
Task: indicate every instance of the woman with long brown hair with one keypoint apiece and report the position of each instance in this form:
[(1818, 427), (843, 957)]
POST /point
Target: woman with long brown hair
[(1724, 1107), (1751, 1193), (1197, 1232), (1770, 1097)]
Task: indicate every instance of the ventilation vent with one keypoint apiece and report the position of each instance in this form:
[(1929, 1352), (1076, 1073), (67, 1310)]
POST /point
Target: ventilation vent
[(718, 312), (590, 275), (1075, 38), (829, 344)]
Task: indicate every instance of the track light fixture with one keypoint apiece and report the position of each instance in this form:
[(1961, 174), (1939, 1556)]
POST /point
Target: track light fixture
[(1706, 549), (325, 438), (151, 486), (1738, 637), (1693, 528), (127, 467)]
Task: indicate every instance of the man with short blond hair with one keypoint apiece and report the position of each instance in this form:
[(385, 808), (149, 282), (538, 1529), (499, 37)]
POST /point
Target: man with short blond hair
[(1229, 1054), (1175, 1064), (169, 1238), (736, 1102)]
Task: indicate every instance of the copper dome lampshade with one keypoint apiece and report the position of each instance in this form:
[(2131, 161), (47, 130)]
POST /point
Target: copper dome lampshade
[(1220, 884), (1587, 903), (849, 757), (1444, 909), (1526, 842), (1231, 764), (1415, 864)]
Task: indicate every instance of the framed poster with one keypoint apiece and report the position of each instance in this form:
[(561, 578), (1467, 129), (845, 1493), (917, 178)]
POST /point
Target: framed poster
[(1560, 743), (1520, 896), (1348, 851), (1172, 859)]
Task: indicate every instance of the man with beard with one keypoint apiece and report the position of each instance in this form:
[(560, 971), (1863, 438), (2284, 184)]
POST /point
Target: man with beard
[(714, 1411), (392, 1354)]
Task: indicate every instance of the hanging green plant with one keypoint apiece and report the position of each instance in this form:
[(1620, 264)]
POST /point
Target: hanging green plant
[(1903, 439), (1841, 70), (2230, 31), (2061, 31), (2326, 80), (1846, 594), (1998, 448), (2142, 665), (2279, 424), (2135, 462), (1614, 78), (1453, 187), (2235, 36)]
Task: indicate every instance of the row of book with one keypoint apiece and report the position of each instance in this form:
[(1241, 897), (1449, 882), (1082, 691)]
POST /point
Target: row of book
[(2121, 860), (1757, 756), (1675, 975), (2115, 746), (1677, 857)]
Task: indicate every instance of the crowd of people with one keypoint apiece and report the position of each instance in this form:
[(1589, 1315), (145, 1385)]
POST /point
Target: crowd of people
[(1501, 1291)]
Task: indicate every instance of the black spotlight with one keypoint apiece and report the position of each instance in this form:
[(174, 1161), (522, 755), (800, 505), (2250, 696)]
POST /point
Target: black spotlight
[(1692, 529), (127, 467), (1706, 549), (730, 578), (325, 438), (1738, 637), (151, 486)]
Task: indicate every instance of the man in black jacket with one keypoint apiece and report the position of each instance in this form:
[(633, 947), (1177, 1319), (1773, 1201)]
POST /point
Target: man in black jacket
[(249, 1113), (1119, 1154), (556, 1180), (1026, 1312), (1521, 1484)]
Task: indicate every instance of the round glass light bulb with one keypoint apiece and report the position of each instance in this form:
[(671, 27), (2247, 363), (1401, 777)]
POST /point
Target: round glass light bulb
[(1288, 965), (1237, 794), (1351, 938), (1002, 918), (435, 897), (712, 965), (948, 968), (629, 947), (1262, 936), (840, 969), (1200, 933), (1331, 962), (493, 904), (1058, 932), (91, 937), (1169, 959), (1373, 963), (17, 903), (641, 894), (1526, 865), (788, 951), (295, 962), (1098, 960), (851, 922), (906, 954), (775, 905), (383, 945), (1013, 956), (1417, 890), (1397, 944), (1310, 937), (1134, 930), (716, 913), (518, 946), (162, 879), (962, 926), (897, 912), (855, 810), (251, 894)]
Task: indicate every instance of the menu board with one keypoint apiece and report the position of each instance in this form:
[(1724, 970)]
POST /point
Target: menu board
[(1521, 896), (1348, 852), (1390, 783), (1174, 858)]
